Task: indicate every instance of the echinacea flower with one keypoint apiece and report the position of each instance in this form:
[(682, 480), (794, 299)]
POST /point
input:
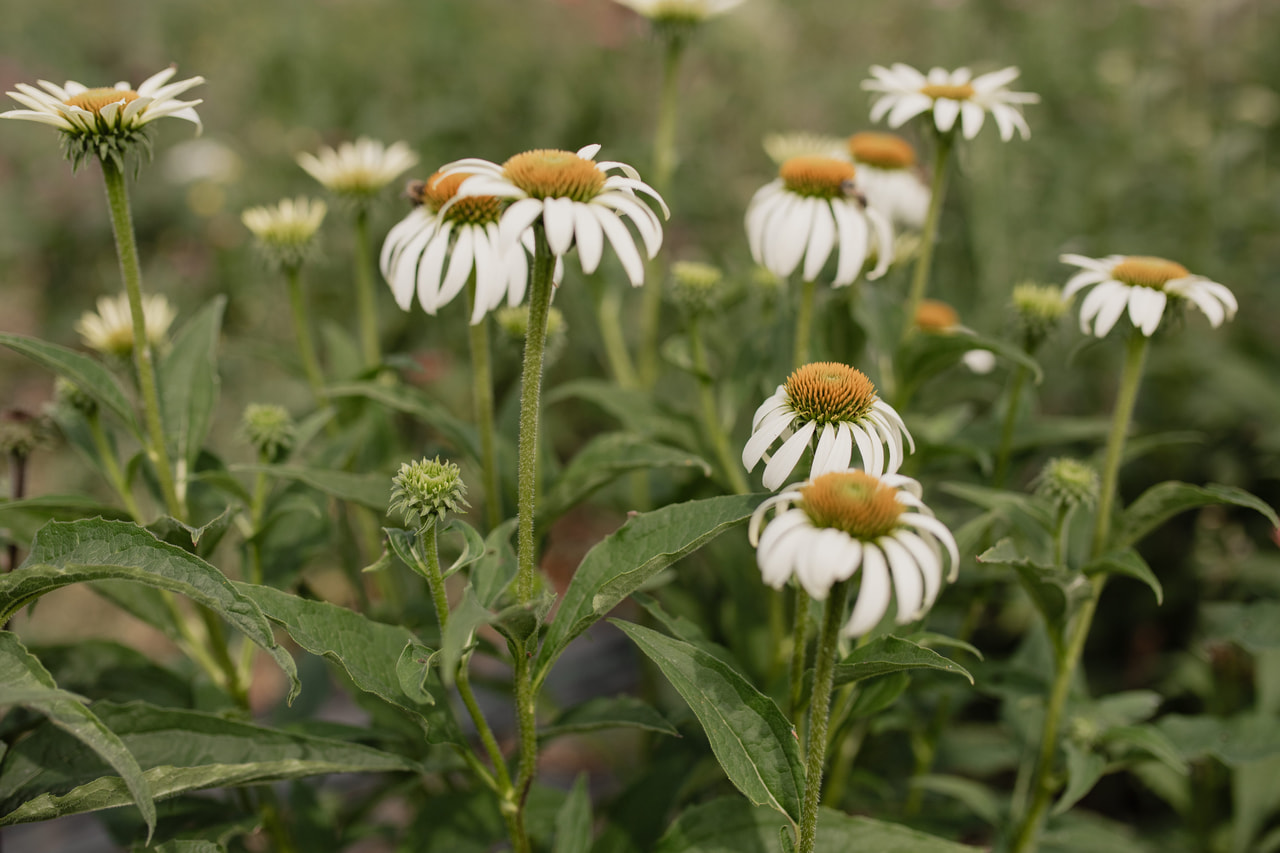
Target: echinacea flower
[(105, 122), (577, 200), (810, 210), (889, 178), (358, 169), (838, 403), (284, 230), (782, 147), (110, 330), (827, 529), (906, 93), (680, 11), (1145, 286)]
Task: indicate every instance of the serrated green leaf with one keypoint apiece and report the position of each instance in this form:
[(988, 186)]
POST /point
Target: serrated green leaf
[(90, 376), (44, 776), (24, 681), (604, 459), (1165, 500), (633, 554), (188, 378), (573, 821), (751, 738), (201, 540), (1084, 768), (96, 550), (608, 712), (419, 406), (1130, 564), (369, 490), (889, 654)]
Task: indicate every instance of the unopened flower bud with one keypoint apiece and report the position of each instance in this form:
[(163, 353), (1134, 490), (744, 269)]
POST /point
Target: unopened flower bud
[(21, 432), (270, 429), (936, 317), (696, 287), (69, 394), (427, 490), (1068, 483), (1037, 309)]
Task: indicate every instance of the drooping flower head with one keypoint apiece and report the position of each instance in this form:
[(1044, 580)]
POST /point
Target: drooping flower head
[(949, 95), (889, 178), (462, 229), (105, 122), (811, 209), (110, 330), (360, 169), (827, 529), (575, 198), (285, 230), (1144, 285), (840, 404)]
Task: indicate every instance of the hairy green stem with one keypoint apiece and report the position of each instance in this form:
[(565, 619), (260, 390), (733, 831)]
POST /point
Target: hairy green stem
[(1010, 422), (819, 715), (804, 324), (799, 654), (482, 403), (1126, 399), (366, 295), (144, 357), (107, 454), (924, 260), (302, 336), (729, 464)]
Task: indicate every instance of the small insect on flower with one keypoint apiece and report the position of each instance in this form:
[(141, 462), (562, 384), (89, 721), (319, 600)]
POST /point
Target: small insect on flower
[(1143, 285), (827, 529), (905, 93)]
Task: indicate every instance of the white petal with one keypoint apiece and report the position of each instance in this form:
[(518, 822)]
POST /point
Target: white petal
[(622, 243), (928, 561), (822, 453), (589, 236), (908, 107), (892, 417), (940, 532), (431, 268), (1145, 308), (884, 240), (853, 242), (155, 81), (849, 559), (405, 268), (461, 265), (557, 217), (518, 269), (945, 112), (517, 218), (996, 79), (971, 118), (822, 236), (1111, 310), (908, 584), (645, 220), (788, 233), (784, 461), (588, 152), (866, 448), (873, 596), (842, 450)]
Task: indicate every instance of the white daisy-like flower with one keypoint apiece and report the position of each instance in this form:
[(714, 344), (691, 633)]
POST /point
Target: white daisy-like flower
[(782, 147), (285, 230), (110, 330), (950, 95), (105, 121), (359, 169), (1144, 286), (811, 209), (840, 405), (413, 255), (889, 178), (681, 11), (828, 528), (577, 200)]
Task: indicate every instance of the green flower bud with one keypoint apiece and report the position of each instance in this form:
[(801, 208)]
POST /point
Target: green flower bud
[(514, 323), (426, 490), (696, 287), (1037, 309), (69, 394), (1068, 483), (270, 429), (21, 432)]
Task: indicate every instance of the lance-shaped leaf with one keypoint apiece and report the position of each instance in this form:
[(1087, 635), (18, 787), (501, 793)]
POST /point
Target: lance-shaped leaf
[(887, 654), (417, 405), (751, 738), (573, 821), (1054, 590), (88, 375), (1130, 564), (635, 409), (494, 571), (46, 775), (609, 712), (24, 517), (925, 356), (189, 381), (95, 550), (1164, 500), (1084, 768), (370, 490), (633, 554), (24, 681)]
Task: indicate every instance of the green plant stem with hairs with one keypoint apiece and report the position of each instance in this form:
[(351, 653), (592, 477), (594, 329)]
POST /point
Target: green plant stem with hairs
[(804, 324), (302, 335), (929, 236), (366, 295), (819, 715), (143, 355), (482, 405), (729, 465), (799, 653), (1043, 783), (111, 465)]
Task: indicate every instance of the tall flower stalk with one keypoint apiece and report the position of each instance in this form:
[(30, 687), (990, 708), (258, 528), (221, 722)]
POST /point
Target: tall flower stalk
[(820, 713), (929, 236), (482, 405)]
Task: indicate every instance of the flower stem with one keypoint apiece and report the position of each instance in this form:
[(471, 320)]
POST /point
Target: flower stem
[(938, 190), (731, 467), (664, 164), (302, 335), (608, 314), (482, 402), (144, 357), (799, 653), (1068, 658), (366, 296), (819, 715), (1010, 421), (804, 324), (107, 453)]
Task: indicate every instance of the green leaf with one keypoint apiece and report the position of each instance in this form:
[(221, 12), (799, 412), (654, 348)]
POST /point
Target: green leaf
[(888, 654), (102, 669), (635, 410), (1084, 768), (188, 378), (877, 694), (1000, 499), (609, 712), (1234, 741), (751, 738), (1130, 564), (925, 356), (975, 796), (24, 681), (94, 550), (473, 547), (44, 776), (412, 669), (369, 652), (573, 821), (1165, 500), (1254, 626), (633, 554), (604, 459), (469, 615), (183, 846), (1053, 590), (369, 490), (90, 376), (202, 540), (730, 825), (1147, 739), (493, 572), (419, 406), (23, 518)]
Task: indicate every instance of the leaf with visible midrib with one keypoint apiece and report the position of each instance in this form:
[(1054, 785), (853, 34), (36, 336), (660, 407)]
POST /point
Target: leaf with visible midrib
[(888, 654), (1165, 500), (88, 375), (188, 378)]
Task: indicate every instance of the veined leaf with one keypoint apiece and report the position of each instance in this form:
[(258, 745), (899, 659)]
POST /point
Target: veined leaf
[(609, 712), (925, 356), (1054, 590), (370, 490), (88, 375), (887, 654), (1164, 500), (418, 405), (573, 821), (1129, 563), (188, 378), (24, 517)]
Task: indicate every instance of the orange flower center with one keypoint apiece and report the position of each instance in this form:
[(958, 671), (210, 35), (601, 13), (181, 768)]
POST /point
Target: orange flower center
[(829, 392), (437, 190), (935, 316), (94, 100), (882, 150), (1148, 272), (821, 177), (961, 92), (852, 501), (548, 173)]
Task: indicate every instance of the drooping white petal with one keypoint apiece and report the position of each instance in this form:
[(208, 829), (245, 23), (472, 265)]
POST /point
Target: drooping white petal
[(852, 229), (928, 561), (517, 218), (822, 453), (784, 461), (884, 237), (788, 233), (557, 217), (461, 264), (908, 585), (622, 243), (945, 112), (908, 107), (431, 268), (590, 237), (822, 236), (645, 220), (971, 119), (939, 532), (873, 595), (1111, 310)]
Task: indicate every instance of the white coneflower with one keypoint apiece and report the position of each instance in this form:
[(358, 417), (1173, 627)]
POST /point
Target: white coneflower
[(105, 122), (841, 405), (950, 95), (110, 330), (285, 230), (1143, 285), (889, 178), (577, 200), (359, 169), (782, 147), (680, 11), (810, 210), (827, 529)]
